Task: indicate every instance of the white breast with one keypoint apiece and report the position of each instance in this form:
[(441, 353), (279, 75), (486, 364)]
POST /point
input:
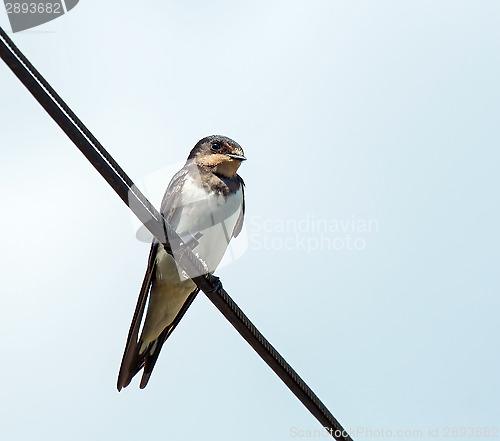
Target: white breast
[(211, 214)]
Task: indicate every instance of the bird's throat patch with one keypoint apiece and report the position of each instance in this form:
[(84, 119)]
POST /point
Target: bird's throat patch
[(221, 164)]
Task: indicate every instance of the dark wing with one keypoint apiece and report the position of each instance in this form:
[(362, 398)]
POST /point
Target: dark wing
[(171, 198), (132, 361), (169, 202), (239, 222)]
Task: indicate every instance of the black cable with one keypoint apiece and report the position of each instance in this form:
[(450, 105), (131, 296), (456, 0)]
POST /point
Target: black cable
[(156, 224)]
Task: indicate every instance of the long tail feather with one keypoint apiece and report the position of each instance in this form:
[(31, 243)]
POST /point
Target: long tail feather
[(131, 361)]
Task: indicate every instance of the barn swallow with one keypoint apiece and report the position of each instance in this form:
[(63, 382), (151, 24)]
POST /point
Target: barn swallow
[(205, 201)]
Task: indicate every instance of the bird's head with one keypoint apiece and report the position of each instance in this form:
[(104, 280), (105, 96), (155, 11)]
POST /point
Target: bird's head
[(219, 153)]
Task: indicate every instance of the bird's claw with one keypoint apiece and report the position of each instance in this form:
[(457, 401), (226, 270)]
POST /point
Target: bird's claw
[(217, 287)]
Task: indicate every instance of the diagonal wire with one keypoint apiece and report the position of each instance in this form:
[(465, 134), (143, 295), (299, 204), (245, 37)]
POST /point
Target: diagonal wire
[(156, 224)]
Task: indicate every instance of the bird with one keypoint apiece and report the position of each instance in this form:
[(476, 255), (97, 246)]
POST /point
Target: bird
[(204, 202)]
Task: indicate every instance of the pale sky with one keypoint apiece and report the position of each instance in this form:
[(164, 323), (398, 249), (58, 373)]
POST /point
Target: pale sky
[(371, 249)]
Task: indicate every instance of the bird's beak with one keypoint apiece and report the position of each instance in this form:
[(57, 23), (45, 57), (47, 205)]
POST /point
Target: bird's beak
[(238, 157)]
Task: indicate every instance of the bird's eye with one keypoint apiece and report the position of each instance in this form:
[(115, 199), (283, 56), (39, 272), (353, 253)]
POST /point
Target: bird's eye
[(216, 146)]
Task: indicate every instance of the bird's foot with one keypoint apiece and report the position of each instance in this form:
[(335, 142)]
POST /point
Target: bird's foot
[(217, 286)]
